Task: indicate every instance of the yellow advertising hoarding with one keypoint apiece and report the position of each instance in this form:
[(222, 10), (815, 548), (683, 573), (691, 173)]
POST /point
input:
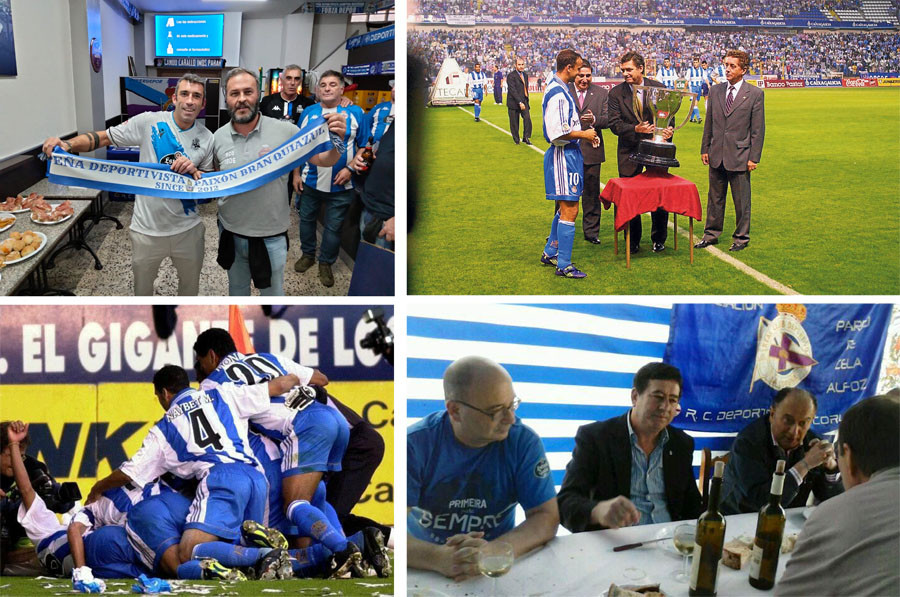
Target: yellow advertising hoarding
[(78, 429)]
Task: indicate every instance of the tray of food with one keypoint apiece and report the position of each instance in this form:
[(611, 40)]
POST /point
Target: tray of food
[(21, 246), (7, 221), (51, 213), (19, 204)]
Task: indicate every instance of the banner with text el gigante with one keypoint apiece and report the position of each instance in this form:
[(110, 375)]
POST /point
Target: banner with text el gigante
[(734, 358), (81, 376)]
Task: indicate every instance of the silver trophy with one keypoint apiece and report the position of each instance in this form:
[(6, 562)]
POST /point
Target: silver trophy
[(665, 103)]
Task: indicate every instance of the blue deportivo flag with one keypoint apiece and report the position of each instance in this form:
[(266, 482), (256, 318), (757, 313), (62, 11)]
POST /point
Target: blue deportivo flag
[(734, 358)]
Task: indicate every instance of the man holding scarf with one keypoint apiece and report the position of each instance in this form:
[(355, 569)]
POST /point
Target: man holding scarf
[(162, 227), (253, 225)]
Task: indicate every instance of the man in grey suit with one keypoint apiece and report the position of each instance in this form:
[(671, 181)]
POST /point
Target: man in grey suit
[(732, 147), (517, 102), (592, 110)]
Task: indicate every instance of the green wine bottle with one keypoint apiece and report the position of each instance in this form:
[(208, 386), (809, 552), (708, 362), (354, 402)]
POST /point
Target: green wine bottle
[(769, 530), (709, 540)]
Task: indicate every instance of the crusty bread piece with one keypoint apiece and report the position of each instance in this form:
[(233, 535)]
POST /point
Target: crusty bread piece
[(735, 554)]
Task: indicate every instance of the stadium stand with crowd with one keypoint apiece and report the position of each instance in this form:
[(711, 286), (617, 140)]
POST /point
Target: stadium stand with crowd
[(837, 10)]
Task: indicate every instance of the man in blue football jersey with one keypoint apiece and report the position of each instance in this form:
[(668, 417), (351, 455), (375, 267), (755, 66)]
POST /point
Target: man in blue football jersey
[(312, 437), (563, 163), (331, 186), (468, 467), (667, 74), (476, 83), (695, 76)]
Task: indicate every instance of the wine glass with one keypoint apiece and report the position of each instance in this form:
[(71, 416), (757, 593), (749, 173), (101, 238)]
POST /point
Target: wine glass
[(494, 560), (684, 543)]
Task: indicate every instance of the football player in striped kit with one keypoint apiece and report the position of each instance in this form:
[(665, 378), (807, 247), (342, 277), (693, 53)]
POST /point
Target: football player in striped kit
[(331, 186), (563, 163), (477, 81), (203, 436), (667, 74), (695, 76)]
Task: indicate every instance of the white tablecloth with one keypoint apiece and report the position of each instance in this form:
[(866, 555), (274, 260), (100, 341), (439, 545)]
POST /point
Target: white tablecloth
[(585, 564)]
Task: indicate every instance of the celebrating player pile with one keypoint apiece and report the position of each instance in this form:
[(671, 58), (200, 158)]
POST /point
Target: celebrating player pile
[(243, 460)]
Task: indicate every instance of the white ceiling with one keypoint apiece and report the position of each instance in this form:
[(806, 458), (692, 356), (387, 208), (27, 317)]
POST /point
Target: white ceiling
[(251, 10)]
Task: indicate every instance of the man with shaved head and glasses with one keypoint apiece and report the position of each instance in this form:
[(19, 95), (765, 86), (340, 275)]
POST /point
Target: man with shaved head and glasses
[(468, 467), (635, 468)]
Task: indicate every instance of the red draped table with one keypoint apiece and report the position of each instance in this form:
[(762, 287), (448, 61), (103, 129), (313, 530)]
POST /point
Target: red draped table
[(646, 193)]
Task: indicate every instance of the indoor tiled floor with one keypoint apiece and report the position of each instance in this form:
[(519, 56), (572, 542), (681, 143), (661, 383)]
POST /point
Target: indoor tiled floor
[(75, 271)]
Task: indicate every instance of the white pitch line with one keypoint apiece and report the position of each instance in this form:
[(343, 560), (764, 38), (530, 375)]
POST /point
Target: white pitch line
[(505, 132), (739, 265)]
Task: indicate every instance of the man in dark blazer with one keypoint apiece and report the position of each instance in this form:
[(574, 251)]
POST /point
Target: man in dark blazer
[(517, 102), (732, 147), (810, 464), (592, 110), (635, 468), (630, 129)]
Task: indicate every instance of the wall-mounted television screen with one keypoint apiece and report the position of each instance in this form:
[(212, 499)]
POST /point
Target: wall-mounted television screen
[(189, 35)]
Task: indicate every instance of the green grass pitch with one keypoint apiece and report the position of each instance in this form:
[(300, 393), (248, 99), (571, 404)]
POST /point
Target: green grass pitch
[(22, 586), (826, 207)]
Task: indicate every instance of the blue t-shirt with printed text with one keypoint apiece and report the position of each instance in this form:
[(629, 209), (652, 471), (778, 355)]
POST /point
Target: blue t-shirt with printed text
[(452, 488)]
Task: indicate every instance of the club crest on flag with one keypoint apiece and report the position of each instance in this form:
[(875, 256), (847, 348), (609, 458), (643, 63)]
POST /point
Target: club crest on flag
[(783, 350)]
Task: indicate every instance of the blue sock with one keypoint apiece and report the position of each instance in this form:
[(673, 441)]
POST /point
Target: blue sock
[(551, 248), (307, 560), (477, 110), (313, 523), (357, 539), (320, 501), (190, 570), (566, 233), (228, 554)]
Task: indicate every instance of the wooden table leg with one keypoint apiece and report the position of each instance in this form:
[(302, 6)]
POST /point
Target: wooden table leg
[(627, 246), (675, 223), (691, 238), (615, 235)]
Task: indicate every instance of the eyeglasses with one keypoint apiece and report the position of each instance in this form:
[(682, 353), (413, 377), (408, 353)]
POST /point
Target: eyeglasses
[(493, 413)]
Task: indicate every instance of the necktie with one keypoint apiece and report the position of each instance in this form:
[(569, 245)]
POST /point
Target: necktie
[(580, 100), (638, 107), (730, 99), (524, 84)]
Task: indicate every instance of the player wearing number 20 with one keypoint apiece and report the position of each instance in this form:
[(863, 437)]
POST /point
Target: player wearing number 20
[(312, 436)]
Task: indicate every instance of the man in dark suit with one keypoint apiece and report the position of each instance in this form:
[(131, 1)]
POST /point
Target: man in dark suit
[(517, 102), (635, 468), (592, 110), (630, 129), (732, 147), (784, 434)]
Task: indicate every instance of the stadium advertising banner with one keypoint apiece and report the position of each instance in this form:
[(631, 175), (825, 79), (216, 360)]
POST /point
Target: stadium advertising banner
[(782, 83), (472, 20), (854, 82), (817, 82), (833, 351), (372, 37), (889, 82), (81, 376)]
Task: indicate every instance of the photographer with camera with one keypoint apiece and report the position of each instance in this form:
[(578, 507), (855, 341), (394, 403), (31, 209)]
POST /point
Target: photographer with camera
[(58, 497)]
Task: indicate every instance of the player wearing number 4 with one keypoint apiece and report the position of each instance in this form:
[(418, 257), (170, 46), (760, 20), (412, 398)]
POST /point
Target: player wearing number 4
[(563, 163), (203, 436)]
